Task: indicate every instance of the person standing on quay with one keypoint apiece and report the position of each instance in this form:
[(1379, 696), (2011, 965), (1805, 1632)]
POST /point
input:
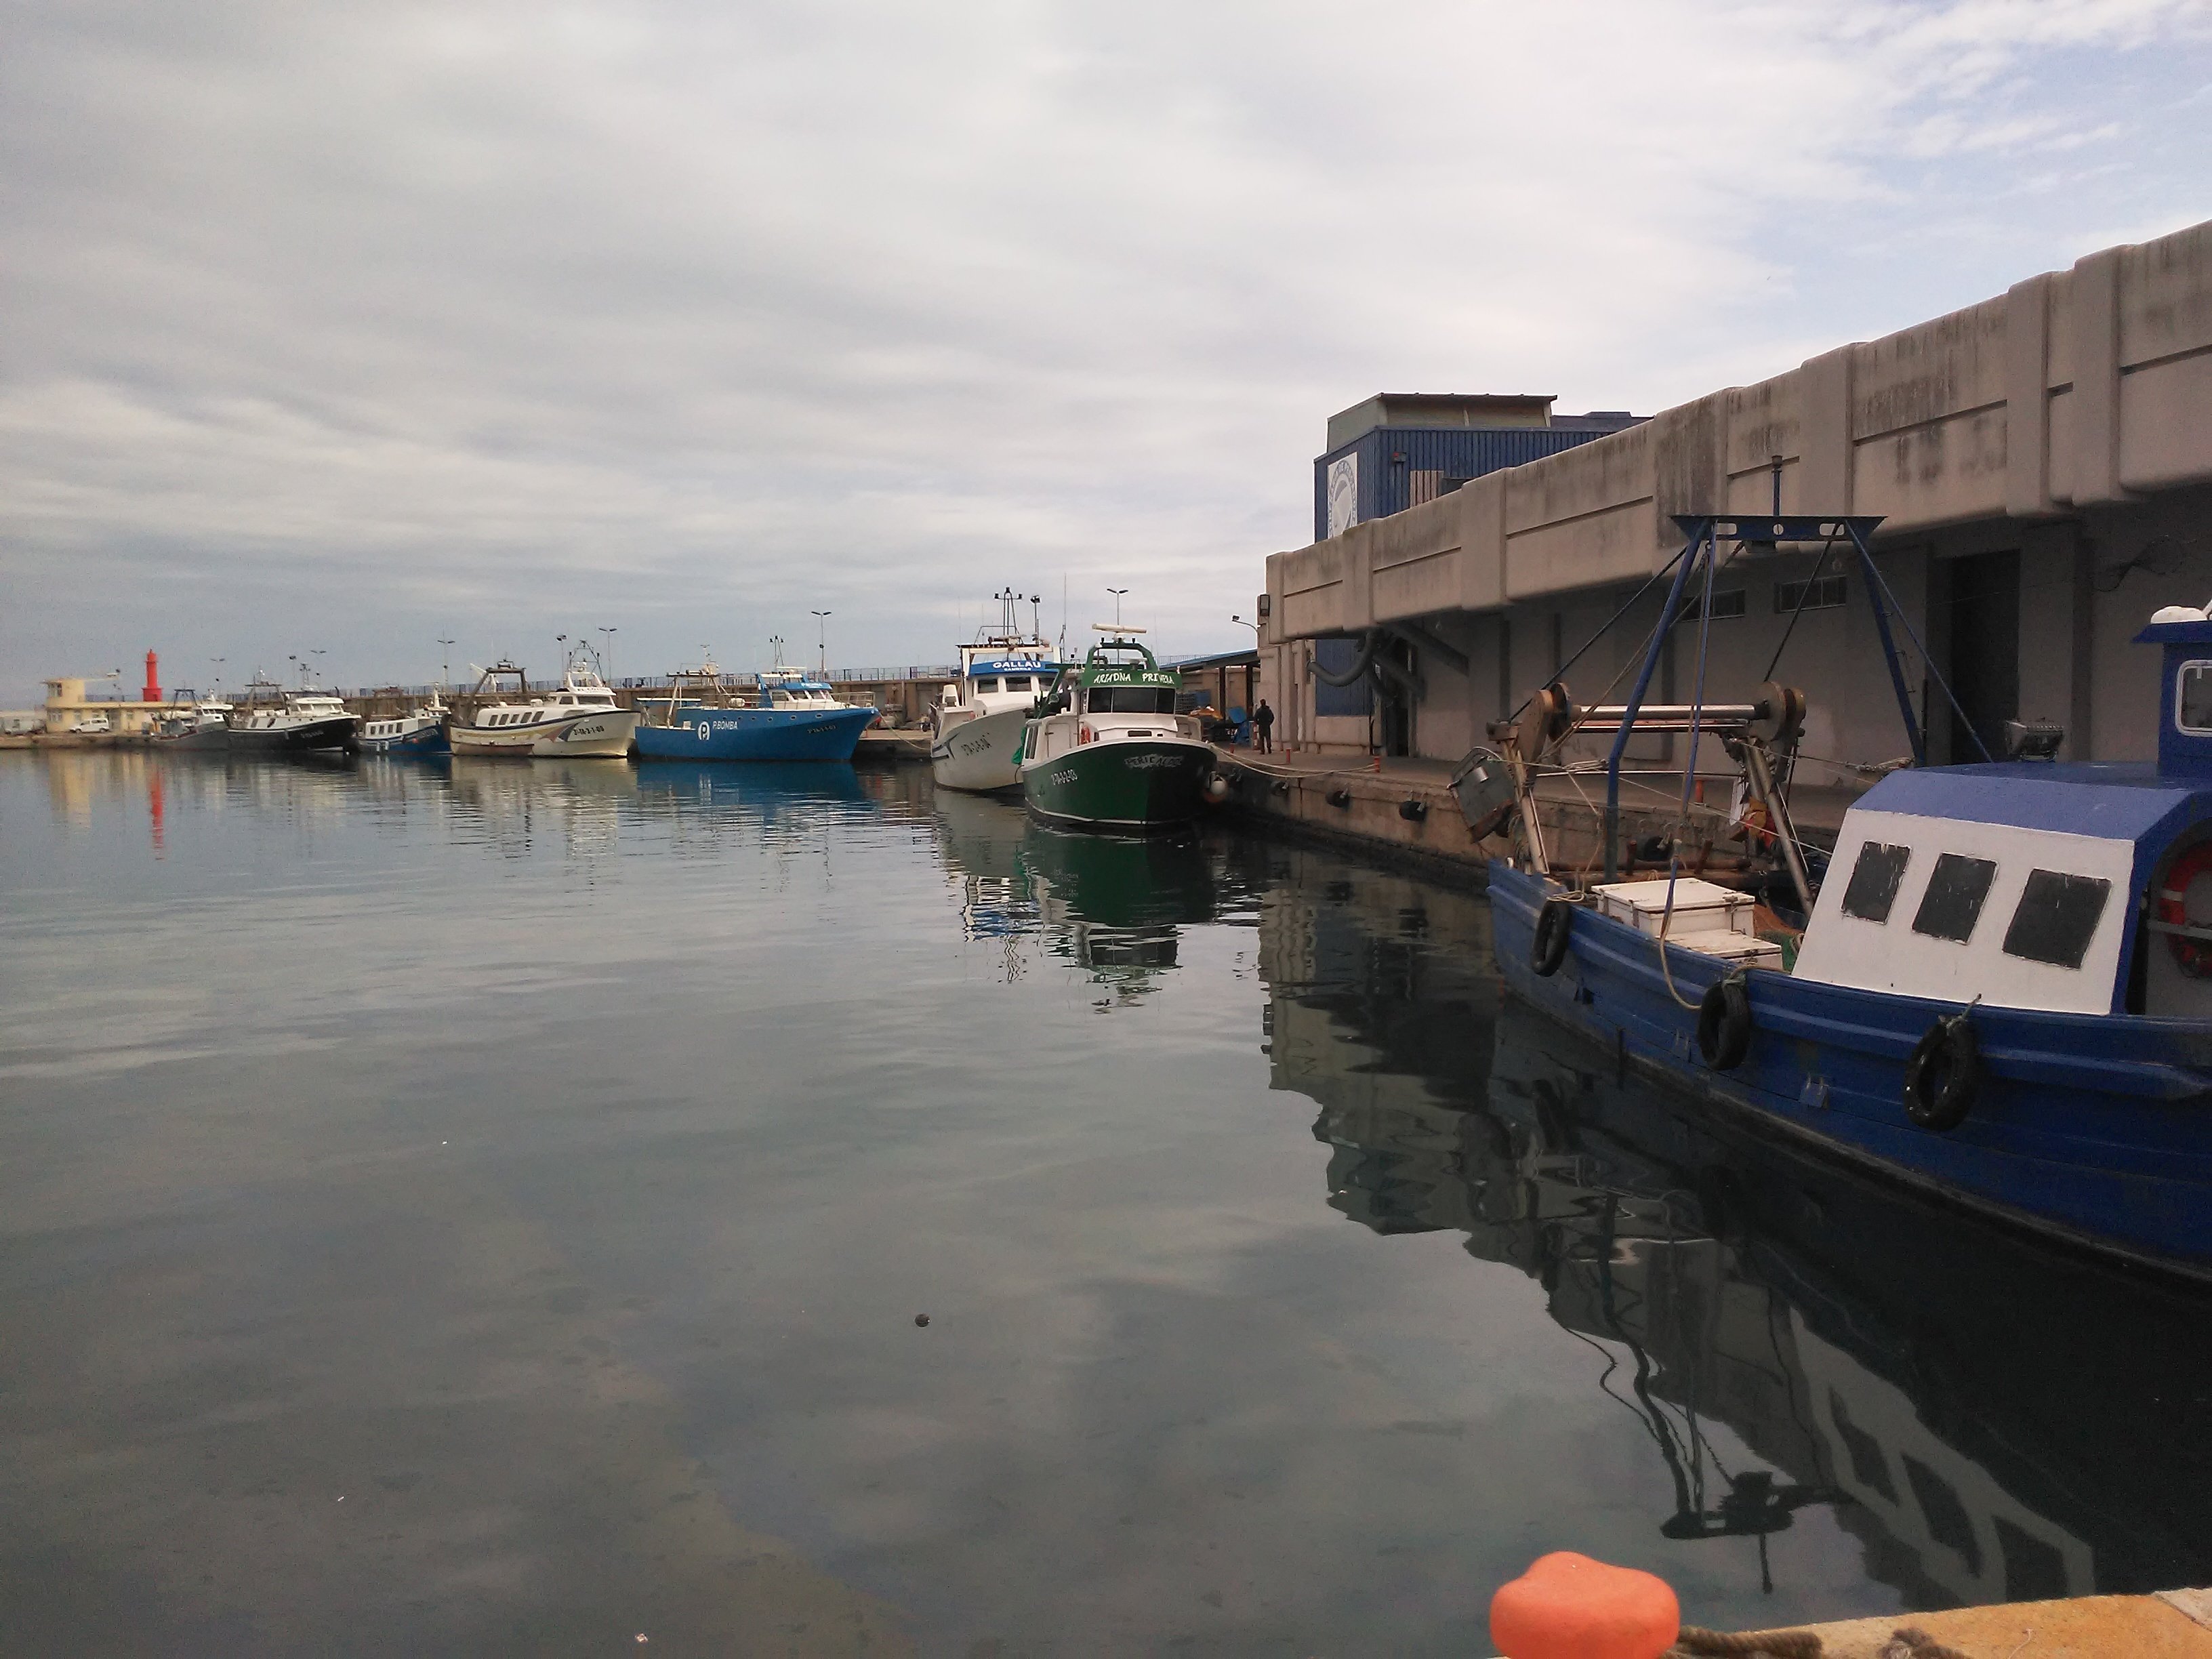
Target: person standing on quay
[(1263, 722)]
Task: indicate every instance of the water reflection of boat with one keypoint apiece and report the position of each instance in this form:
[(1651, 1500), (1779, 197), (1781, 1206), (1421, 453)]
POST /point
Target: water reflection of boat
[(1988, 1416), (1117, 905), (981, 839), (762, 782)]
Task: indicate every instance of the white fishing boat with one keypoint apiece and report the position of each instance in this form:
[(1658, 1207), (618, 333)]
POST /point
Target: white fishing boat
[(303, 722), (978, 721), (579, 719), (194, 724)]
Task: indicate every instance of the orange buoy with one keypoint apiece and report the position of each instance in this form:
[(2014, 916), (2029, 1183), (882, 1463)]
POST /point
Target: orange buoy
[(1569, 1607)]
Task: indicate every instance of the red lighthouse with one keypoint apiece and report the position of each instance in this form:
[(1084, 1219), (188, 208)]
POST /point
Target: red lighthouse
[(153, 691)]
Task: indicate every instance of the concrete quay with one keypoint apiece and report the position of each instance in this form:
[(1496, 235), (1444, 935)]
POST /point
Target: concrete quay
[(1402, 810), (2172, 1625)]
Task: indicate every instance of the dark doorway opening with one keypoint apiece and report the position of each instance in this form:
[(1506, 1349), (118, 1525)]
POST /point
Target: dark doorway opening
[(1394, 701), (1983, 638)]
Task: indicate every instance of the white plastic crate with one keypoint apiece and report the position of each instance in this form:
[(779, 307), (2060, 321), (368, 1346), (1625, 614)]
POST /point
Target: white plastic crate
[(1700, 907), (1731, 947)]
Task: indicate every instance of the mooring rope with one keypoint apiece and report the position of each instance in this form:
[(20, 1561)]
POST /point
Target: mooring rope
[(1696, 1643)]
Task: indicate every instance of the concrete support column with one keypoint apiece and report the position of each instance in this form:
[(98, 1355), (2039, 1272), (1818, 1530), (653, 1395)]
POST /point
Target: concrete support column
[(2095, 303), (1823, 465), (2027, 398)]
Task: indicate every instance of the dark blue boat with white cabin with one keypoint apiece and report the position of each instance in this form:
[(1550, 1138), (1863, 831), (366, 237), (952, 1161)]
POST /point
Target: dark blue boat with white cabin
[(790, 718), (2002, 992), (421, 733)]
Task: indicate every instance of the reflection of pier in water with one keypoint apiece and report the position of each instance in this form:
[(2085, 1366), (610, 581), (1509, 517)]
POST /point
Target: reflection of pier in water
[(1991, 1421)]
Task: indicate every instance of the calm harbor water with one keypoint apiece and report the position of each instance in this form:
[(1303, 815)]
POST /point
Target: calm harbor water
[(487, 1210)]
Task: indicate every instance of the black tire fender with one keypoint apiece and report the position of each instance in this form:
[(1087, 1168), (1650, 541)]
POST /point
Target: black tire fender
[(1944, 1075), (1548, 953), (1724, 1025)]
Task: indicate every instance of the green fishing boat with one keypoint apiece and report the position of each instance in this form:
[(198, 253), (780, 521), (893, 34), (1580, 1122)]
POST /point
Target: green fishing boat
[(1108, 751)]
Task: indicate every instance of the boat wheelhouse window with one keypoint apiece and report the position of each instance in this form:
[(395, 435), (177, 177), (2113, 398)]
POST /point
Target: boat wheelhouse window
[(2057, 916), (2192, 697), (986, 685), (1953, 903), (1874, 880), (1132, 700)]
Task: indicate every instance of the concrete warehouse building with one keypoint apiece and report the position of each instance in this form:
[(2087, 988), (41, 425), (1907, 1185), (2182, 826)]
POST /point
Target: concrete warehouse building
[(2042, 462)]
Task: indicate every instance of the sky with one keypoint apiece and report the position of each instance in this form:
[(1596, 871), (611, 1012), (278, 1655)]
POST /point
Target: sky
[(348, 329)]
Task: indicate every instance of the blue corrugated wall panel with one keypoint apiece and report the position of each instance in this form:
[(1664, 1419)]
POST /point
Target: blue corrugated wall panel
[(1337, 656), (1390, 456)]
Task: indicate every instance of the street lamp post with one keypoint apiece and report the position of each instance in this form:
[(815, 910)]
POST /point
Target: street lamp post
[(1117, 592), (821, 644), (445, 666), (607, 653)]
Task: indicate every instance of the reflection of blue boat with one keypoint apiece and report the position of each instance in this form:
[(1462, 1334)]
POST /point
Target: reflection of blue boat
[(768, 786), (2004, 996), (791, 718)]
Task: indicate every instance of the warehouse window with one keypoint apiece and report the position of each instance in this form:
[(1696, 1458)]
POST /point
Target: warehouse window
[(1825, 595), (1728, 602)]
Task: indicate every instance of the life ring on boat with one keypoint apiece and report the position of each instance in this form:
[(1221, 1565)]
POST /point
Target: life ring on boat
[(1548, 951), (1724, 1025), (1943, 1075), (2192, 955)]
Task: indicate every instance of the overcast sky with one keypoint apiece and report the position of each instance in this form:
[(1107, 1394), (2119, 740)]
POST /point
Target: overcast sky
[(347, 327)]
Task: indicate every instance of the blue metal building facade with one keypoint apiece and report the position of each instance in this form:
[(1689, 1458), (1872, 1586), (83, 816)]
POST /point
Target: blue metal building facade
[(1403, 466)]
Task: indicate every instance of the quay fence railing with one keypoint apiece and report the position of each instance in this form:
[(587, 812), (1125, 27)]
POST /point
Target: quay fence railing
[(909, 671)]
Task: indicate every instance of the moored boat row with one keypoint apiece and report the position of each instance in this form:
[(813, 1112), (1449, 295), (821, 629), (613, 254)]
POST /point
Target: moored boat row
[(1095, 746)]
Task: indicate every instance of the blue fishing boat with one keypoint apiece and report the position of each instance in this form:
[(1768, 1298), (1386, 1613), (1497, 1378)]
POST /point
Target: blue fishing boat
[(2000, 994), (790, 718), (422, 732)]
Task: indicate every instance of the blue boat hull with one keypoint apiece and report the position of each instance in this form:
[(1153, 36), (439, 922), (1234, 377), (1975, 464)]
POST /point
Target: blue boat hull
[(756, 734), (2095, 1128), (430, 740)]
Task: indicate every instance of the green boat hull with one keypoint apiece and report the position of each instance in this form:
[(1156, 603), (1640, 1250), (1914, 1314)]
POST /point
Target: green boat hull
[(1135, 785)]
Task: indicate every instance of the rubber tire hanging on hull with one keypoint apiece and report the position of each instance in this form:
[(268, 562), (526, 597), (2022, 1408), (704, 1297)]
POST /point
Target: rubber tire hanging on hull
[(1943, 1076), (1547, 952), (1724, 1025)]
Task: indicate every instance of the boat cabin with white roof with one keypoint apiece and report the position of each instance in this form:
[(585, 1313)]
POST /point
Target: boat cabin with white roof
[(2072, 888)]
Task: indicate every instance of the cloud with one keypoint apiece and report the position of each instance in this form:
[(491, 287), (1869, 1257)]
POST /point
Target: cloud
[(388, 321)]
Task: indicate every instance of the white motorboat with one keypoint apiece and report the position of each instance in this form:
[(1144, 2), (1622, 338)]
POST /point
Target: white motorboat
[(978, 721), (304, 722), (194, 723), (578, 721)]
